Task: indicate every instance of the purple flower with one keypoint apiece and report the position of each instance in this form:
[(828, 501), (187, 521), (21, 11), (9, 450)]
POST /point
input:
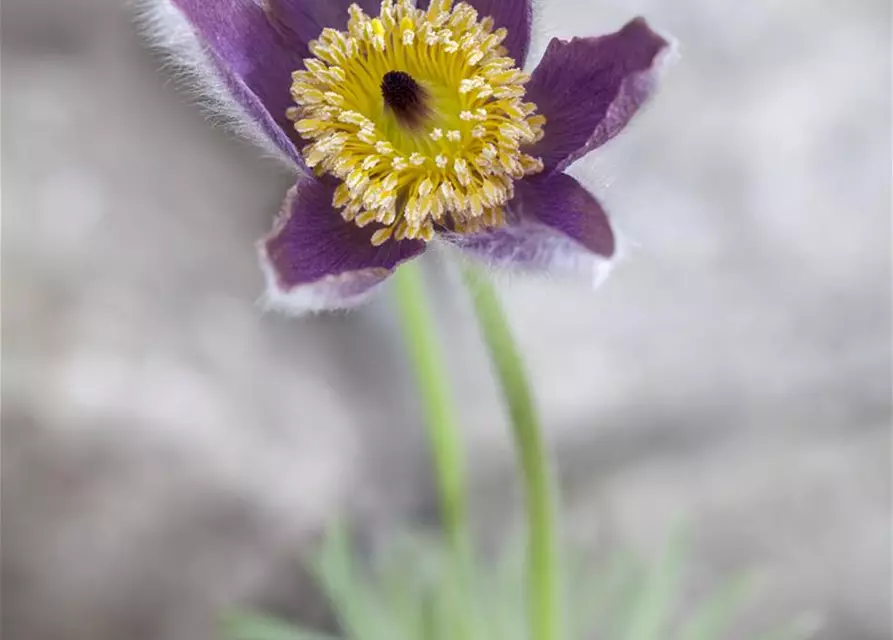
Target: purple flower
[(408, 123)]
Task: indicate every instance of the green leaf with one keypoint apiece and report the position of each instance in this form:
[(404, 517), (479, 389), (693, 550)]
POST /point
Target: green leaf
[(403, 575), (253, 626), (655, 602), (599, 596), (715, 614), (356, 602), (501, 592), (621, 613)]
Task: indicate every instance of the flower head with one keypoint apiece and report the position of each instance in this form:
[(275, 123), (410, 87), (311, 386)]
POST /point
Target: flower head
[(408, 122), (422, 117)]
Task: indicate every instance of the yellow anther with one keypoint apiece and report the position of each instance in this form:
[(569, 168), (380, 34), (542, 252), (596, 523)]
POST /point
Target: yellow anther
[(342, 196), (457, 168), (381, 236)]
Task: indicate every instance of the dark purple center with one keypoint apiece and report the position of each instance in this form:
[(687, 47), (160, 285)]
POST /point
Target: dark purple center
[(404, 96)]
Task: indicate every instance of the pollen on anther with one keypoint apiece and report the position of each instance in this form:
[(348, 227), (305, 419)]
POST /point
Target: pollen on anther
[(381, 236), (415, 146)]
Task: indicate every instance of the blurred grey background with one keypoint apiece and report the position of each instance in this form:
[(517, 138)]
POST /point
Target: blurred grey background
[(168, 450)]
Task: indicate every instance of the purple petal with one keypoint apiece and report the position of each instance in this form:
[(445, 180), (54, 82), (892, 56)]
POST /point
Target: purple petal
[(254, 57), (514, 15), (314, 260), (589, 88), (555, 225), (304, 20)]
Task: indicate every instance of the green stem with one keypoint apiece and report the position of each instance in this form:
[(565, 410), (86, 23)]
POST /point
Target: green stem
[(543, 574), (425, 353)]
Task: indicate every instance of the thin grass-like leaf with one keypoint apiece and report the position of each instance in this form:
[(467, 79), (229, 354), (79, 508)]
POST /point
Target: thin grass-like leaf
[(622, 614), (447, 605), (419, 590), (502, 592), (359, 614), (253, 626), (657, 599), (404, 575), (600, 595), (714, 616)]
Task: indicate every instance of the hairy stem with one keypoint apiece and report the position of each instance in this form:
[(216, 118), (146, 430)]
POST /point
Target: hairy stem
[(546, 620)]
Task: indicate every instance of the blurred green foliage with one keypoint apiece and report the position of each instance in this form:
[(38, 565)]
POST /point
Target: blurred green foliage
[(418, 592)]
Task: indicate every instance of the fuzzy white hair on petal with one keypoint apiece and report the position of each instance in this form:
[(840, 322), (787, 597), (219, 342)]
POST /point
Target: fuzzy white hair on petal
[(532, 253), (603, 267), (313, 297), (168, 31)]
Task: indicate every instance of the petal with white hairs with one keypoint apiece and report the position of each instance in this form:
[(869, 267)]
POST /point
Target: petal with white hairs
[(589, 88), (303, 20), (239, 64), (314, 260), (555, 225), (515, 16)]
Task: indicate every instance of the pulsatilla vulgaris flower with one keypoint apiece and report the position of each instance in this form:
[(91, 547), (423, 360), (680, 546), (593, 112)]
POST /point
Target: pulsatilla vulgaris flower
[(407, 122)]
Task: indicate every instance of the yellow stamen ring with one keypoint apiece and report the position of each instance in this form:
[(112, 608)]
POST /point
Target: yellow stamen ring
[(452, 160)]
